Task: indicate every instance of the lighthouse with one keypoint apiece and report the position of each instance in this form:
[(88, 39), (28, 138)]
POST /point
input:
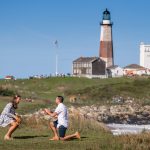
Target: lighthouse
[(106, 41)]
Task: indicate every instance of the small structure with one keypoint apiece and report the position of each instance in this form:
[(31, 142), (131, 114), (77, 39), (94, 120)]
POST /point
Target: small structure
[(10, 77), (89, 67), (134, 69), (114, 71)]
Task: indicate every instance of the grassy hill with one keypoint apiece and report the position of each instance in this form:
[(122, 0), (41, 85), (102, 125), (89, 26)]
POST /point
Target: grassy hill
[(90, 91), (87, 91)]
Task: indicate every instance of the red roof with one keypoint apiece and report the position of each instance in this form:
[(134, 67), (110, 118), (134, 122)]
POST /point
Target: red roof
[(134, 66)]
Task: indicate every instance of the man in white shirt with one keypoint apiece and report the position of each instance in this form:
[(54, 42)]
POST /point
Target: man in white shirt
[(60, 126)]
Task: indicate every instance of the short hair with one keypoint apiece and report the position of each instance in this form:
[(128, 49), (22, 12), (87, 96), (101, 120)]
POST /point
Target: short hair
[(60, 98)]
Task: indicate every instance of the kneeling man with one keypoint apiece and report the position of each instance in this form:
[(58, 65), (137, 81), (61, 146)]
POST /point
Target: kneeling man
[(60, 126)]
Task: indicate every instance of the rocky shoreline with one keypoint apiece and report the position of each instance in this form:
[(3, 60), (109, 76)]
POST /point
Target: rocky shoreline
[(126, 113), (123, 113)]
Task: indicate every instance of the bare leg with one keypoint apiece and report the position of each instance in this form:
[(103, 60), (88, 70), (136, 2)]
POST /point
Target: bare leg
[(13, 127), (54, 131), (75, 135)]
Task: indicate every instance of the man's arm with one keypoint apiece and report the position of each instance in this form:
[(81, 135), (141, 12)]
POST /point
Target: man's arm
[(52, 114)]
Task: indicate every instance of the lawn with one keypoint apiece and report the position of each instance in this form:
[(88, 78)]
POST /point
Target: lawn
[(92, 138), (34, 137), (96, 91), (90, 91)]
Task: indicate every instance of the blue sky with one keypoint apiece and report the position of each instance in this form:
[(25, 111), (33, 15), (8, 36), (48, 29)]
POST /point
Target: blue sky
[(29, 28)]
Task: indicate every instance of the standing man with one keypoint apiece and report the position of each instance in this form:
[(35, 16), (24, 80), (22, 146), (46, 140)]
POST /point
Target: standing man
[(60, 126)]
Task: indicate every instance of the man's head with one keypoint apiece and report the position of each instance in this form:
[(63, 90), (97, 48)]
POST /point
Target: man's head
[(59, 99)]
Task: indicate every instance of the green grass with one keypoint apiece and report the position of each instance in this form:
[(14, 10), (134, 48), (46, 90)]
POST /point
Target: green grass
[(34, 137), (28, 138), (92, 138), (92, 91), (27, 107)]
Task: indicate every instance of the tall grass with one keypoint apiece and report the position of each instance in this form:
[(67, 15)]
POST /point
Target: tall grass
[(94, 137)]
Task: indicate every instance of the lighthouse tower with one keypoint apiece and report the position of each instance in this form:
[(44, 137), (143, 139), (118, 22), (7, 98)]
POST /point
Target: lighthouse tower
[(106, 43)]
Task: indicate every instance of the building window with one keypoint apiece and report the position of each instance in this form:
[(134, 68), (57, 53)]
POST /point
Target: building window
[(74, 65), (74, 71)]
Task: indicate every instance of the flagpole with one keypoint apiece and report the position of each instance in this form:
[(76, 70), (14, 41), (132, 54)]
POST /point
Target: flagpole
[(56, 67), (56, 63)]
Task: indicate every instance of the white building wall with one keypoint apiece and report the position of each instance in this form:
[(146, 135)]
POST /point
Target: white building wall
[(106, 33), (140, 72), (115, 72), (145, 55)]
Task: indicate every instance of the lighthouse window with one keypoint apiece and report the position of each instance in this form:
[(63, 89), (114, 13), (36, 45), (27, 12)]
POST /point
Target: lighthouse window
[(106, 17)]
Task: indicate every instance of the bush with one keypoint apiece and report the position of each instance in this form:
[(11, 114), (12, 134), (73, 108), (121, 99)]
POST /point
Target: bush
[(6, 92)]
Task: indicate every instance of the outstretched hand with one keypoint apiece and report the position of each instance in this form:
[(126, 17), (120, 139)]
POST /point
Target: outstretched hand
[(46, 111)]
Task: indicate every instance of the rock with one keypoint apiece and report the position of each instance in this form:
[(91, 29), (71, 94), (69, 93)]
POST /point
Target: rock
[(99, 118), (127, 112), (145, 113)]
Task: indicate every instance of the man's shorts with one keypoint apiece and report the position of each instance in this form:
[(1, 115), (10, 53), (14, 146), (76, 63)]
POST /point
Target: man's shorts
[(61, 129)]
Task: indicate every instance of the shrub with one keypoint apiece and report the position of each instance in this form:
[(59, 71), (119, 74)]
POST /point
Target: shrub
[(6, 92)]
